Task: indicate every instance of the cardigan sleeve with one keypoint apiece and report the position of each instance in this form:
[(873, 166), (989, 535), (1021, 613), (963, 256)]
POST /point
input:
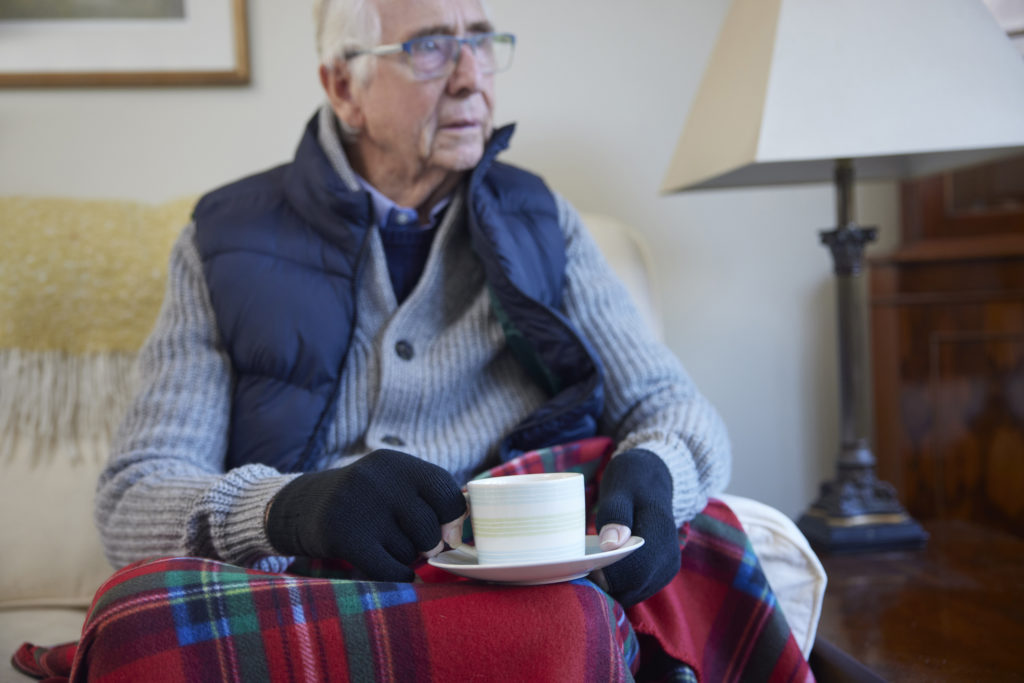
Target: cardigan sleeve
[(165, 490), (650, 400)]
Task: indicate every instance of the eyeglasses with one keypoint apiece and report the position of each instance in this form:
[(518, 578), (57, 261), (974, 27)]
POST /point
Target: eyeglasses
[(436, 56)]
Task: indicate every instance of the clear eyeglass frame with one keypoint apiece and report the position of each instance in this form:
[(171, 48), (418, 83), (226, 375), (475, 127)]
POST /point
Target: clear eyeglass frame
[(431, 57)]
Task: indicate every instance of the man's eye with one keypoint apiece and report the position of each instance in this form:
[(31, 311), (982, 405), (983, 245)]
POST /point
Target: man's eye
[(429, 45)]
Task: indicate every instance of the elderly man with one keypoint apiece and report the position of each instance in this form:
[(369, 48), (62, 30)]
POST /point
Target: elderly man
[(389, 314), (348, 338)]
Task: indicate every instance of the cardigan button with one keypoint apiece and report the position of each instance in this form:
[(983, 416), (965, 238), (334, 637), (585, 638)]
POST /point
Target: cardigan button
[(404, 350), (392, 440)]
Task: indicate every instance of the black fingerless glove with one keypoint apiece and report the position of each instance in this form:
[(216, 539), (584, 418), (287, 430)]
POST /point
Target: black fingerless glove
[(636, 491), (378, 513)]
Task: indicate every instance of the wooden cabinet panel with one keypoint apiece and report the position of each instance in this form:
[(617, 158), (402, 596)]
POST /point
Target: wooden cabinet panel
[(947, 318), (982, 200), (979, 427)]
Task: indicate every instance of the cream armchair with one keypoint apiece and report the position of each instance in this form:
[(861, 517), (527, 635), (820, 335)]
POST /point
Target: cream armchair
[(80, 285)]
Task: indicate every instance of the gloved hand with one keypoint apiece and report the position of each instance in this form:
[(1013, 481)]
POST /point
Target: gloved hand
[(636, 492), (379, 514)]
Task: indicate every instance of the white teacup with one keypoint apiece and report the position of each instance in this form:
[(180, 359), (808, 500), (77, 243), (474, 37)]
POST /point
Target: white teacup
[(524, 518)]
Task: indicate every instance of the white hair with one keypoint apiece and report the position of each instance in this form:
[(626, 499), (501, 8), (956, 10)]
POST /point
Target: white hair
[(343, 25)]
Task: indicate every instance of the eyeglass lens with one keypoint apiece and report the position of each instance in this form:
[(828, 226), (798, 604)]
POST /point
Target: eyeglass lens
[(433, 56)]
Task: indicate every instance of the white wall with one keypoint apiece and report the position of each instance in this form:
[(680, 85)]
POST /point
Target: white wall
[(600, 90)]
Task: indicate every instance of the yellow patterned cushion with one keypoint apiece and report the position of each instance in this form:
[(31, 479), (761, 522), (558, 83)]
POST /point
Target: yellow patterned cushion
[(83, 275)]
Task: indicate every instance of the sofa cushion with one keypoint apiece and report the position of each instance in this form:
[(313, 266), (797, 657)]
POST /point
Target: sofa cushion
[(53, 552), (81, 283)]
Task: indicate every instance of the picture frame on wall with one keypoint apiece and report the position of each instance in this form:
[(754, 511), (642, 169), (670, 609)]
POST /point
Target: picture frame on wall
[(123, 43)]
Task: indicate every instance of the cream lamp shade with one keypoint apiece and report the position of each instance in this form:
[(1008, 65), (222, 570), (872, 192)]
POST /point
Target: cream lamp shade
[(902, 87)]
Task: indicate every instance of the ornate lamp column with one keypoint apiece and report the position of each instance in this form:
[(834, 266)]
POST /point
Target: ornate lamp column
[(856, 511)]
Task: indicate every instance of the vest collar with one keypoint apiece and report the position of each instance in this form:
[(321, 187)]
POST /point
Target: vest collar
[(316, 192), (498, 143)]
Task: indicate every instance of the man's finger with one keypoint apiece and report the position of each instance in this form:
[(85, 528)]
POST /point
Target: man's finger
[(451, 532), (614, 536)]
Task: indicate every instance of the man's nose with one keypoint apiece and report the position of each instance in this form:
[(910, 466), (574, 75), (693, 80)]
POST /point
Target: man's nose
[(467, 74)]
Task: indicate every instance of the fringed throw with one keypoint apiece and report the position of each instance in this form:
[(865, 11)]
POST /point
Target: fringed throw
[(56, 404), (81, 282)]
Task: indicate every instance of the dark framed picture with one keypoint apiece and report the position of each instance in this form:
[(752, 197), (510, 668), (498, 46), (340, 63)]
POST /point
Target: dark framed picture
[(123, 42)]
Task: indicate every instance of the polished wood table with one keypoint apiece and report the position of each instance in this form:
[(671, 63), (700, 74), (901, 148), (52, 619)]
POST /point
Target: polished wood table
[(953, 611)]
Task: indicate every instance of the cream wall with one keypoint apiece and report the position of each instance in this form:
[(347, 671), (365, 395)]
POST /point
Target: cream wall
[(600, 89)]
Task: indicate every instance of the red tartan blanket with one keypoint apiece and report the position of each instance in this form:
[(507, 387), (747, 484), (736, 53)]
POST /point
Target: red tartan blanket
[(195, 619)]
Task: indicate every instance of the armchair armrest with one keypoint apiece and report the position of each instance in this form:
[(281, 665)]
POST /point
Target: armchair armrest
[(793, 569)]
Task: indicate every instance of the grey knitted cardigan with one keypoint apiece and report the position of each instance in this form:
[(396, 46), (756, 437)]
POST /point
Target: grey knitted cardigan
[(165, 490)]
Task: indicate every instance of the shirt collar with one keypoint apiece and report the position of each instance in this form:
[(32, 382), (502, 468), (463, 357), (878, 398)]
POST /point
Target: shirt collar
[(392, 216)]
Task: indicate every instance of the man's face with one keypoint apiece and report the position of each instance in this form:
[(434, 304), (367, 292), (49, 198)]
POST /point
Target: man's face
[(411, 127)]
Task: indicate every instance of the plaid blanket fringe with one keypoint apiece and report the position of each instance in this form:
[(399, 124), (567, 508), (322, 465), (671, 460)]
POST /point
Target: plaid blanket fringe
[(195, 619)]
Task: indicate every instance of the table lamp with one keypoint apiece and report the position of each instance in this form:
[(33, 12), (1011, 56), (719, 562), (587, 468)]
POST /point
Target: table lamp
[(810, 90)]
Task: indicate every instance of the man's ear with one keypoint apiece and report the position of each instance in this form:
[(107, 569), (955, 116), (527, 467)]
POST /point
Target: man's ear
[(343, 94)]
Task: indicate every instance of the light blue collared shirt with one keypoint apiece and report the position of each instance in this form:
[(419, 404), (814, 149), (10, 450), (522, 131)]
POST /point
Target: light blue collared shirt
[(392, 216)]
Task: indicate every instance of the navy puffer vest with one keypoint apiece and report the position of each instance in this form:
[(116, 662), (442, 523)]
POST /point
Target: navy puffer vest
[(281, 252)]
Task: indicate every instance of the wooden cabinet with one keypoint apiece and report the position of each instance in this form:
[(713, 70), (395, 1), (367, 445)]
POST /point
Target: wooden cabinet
[(947, 321)]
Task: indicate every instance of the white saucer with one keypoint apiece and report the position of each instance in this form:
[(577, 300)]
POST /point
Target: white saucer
[(463, 561)]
